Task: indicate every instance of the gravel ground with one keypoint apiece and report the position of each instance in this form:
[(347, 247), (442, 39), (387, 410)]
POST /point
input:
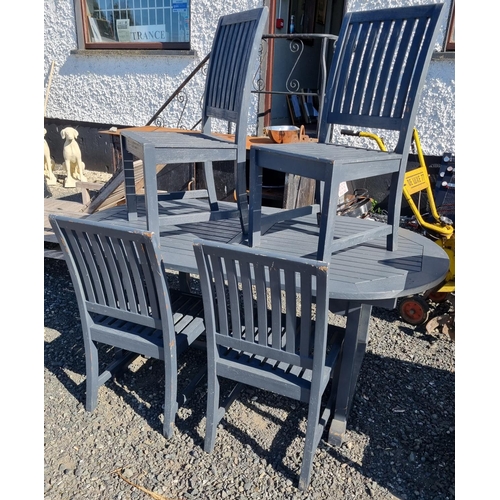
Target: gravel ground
[(400, 440)]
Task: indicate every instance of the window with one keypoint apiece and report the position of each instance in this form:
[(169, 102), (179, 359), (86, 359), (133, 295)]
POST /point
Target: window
[(136, 24)]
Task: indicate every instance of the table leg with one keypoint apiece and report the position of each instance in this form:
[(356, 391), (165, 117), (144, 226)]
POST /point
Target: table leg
[(353, 351)]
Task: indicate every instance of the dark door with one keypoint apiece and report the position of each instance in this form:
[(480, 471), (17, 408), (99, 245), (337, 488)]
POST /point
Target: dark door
[(296, 67)]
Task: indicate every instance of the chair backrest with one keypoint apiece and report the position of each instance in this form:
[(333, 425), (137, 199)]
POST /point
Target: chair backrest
[(251, 298), (229, 78), (116, 272), (378, 70)]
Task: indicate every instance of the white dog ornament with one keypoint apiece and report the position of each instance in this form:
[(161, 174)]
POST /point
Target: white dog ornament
[(75, 167), (48, 170)]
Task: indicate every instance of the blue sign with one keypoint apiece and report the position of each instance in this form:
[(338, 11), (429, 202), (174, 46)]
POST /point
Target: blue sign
[(179, 6)]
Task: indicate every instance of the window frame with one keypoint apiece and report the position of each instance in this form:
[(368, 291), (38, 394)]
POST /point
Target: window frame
[(84, 43), (450, 32)]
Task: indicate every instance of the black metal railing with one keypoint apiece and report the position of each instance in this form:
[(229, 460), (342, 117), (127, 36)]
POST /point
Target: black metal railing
[(297, 43)]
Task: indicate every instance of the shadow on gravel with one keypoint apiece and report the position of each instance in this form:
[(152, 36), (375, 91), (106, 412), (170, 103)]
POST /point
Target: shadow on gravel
[(407, 412), (277, 450)]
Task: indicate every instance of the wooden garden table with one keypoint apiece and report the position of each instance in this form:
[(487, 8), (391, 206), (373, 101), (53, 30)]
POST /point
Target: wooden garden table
[(361, 277)]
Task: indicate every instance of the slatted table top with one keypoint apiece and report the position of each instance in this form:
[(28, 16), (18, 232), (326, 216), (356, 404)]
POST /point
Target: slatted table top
[(366, 272)]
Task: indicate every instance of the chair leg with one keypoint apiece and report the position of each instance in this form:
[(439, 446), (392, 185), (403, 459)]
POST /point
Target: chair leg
[(313, 434), (329, 202), (213, 401), (92, 371), (241, 195), (129, 182), (170, 405), (208, 170), (394, 210)]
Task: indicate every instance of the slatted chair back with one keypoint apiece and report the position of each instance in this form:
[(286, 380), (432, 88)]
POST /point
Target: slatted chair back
[(117, 272), (230, 70), (378, 70), (227, 94), (255, 301), (124, 302), (266, 318)]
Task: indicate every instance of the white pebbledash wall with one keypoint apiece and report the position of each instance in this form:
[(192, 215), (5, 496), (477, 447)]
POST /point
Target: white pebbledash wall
[(435, 120), (128, 89)]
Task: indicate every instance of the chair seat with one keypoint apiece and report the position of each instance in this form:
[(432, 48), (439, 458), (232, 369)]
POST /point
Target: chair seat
[(281, 378), (181, 147), (330, 164), (187, 313), (162, 148), (359, 162)]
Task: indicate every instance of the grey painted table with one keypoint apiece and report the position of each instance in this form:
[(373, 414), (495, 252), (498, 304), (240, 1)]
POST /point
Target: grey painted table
[(362, 276)]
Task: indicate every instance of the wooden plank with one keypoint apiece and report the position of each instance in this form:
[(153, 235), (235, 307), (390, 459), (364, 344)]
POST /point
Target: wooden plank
[(62, 207), (114, 190), (299, 191), (86, 187), (112, 193), (53, 253)]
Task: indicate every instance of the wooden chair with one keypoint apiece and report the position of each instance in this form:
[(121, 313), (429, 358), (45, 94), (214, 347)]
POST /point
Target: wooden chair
[(256, 337), (375, 80), (124, 301), (226, 97)]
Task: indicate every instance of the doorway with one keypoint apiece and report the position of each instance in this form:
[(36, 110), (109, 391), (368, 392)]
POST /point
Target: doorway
[(293, 66)]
